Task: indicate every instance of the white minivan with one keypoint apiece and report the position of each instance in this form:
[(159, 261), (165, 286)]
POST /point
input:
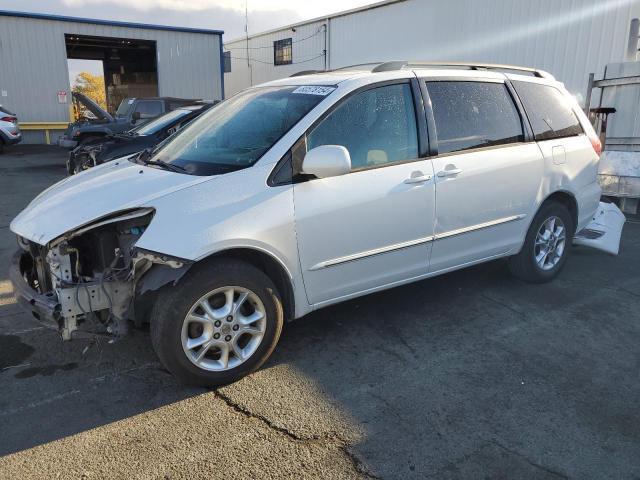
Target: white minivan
[(307, 191)]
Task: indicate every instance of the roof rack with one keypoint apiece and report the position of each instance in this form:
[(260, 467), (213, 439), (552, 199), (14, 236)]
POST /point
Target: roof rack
[(305, 72), (399, 65)]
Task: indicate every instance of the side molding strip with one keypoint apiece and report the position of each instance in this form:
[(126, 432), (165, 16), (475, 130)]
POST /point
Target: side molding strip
[(479, 226), (412, 243), (370, 253)]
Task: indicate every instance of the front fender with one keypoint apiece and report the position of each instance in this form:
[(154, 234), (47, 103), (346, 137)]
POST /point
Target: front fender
[(232, 211)]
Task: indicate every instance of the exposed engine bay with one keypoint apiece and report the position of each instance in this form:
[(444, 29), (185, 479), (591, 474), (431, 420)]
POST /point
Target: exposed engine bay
[(92, 276)]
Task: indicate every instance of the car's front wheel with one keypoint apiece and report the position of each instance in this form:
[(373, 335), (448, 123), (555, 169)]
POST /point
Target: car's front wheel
[(220, 323), (546, 245)]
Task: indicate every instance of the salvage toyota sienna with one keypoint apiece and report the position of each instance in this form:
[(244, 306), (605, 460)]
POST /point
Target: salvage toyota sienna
[(308, 191)]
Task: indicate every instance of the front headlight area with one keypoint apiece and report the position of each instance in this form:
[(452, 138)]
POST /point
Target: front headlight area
[(92, 272)]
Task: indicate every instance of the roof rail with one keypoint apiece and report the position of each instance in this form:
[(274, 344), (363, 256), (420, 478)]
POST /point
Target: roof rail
[(305, 72), (356, 65), (399, 65)]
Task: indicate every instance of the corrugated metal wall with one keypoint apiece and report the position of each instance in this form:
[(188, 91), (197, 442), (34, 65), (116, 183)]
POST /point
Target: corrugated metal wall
[(33, 64), (308, 54), (569, 38)]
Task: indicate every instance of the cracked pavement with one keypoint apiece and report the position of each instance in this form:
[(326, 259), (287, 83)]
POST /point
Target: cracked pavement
[(468, 375)]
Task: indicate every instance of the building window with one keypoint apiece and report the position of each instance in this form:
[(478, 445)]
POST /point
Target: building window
[(282, 52), (226, 60)]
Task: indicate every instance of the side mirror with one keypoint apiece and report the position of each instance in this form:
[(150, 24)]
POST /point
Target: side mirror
[(327, 161), (135, 116)]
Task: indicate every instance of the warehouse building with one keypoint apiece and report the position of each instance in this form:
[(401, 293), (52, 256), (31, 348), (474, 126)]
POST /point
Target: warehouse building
[(568, 38), (138, 60)]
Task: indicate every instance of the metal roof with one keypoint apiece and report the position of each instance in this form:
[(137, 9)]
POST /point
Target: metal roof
[(114, 23)]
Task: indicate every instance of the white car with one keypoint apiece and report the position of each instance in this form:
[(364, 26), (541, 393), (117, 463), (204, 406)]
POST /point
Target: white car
[(10, 133), (308, 191)]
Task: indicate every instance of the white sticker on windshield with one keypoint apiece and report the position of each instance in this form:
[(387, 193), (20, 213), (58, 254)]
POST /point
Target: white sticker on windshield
[(314, 90), (131, 101)]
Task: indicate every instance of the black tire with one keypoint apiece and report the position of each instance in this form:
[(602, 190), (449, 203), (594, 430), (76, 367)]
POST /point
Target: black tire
[(174, 303), (524, 265), (71, 167)]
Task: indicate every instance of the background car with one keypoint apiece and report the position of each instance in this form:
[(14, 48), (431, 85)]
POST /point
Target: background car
[(135, 140), (131, 112), (10, 133)]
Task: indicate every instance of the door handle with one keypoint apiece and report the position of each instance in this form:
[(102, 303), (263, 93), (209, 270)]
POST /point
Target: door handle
[(449, 172), (417, 177)]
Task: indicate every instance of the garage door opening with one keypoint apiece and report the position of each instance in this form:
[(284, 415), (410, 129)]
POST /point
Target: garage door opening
[(129, 65), (87, 77)]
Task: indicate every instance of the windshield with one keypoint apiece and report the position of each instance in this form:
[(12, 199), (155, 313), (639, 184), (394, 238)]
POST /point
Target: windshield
[(237, 132), (157, 124), (125, 106)]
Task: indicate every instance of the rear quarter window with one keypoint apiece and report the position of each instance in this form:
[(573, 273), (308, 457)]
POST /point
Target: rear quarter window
[(471, 114), (548, 110)]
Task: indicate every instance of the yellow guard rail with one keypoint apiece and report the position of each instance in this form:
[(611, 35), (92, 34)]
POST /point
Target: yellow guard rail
[(46, 126)]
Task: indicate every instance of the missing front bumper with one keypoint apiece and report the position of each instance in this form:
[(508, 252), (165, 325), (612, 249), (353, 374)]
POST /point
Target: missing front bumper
[(66, 307), (44, 307)]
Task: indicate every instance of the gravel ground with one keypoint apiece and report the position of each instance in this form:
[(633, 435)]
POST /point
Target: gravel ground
[(468, 375)]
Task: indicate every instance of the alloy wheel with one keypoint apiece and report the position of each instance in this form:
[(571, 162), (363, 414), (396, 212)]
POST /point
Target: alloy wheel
[(223, 328), (550, 243)]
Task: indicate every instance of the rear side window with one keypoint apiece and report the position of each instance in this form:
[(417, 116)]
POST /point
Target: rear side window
[(550, 114), (149, 109), (473, 115), (377, 126)]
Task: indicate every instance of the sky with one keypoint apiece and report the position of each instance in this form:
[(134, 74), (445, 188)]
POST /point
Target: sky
[(227, 15), (76, 66)]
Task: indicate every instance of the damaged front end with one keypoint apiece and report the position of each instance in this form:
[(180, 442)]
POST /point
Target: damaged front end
[(87, 281)]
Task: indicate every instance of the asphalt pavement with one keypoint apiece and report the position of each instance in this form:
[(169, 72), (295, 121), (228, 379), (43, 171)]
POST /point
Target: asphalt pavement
[(468, 375)]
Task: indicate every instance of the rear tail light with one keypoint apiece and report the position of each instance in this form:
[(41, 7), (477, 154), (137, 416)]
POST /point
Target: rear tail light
[(596, 143), (9, 119)]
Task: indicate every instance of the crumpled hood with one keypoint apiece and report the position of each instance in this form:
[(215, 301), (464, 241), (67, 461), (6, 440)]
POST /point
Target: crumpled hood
[(95, 193)]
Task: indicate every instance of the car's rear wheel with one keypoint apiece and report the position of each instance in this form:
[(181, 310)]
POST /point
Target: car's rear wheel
[(546, 245), (220, 323)]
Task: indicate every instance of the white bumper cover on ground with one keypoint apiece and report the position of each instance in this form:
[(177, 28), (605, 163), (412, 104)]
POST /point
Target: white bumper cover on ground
[(604, 230)]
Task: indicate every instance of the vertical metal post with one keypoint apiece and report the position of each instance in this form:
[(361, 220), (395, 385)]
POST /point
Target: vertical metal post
[(246, 31), (327, 44), (587, 98), (632, 46)]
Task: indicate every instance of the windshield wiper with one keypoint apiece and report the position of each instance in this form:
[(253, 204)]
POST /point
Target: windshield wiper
[(144, 155), (165, 165)]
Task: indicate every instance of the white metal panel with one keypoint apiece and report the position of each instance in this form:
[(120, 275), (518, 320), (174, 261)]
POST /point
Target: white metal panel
[(568, 38), (33, 63), (625, 123), (308, 45)]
